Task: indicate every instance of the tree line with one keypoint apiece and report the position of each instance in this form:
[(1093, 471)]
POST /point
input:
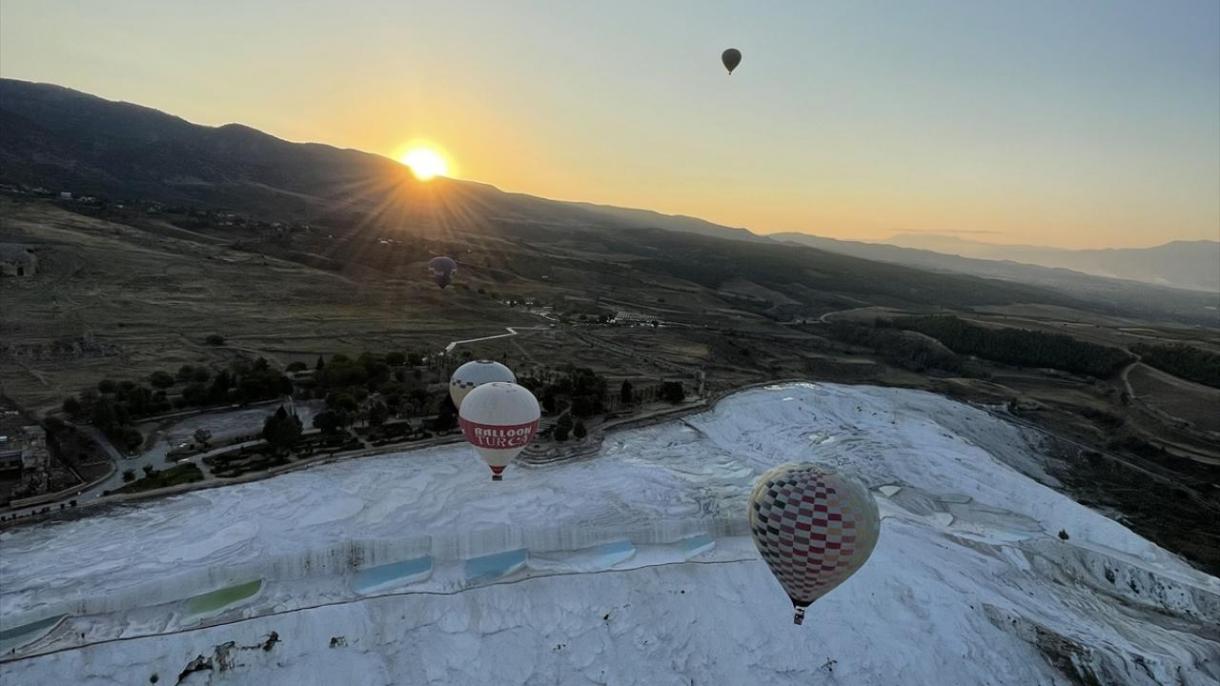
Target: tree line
[(1185, 361), (1020, 347), (899, 348)]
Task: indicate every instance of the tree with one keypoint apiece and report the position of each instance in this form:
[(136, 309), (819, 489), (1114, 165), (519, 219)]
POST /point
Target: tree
[(149, 470), (282, 430), (563, 427), (320, 364), (446, 415), (395, 359), (579, 430), (128, 476), (185, 373), (297, 366), (341, 401), (107, 386), (673, 392), (202, 436), (330, 421), (625, 394), (72, 407), (201, 374), (214, 339), (378, 413), (130, 438), (105, 417), (161, 379)]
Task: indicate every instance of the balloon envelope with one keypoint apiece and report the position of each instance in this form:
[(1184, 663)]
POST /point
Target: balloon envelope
[(442, 269), (476, 373), (499, 419), (813, 527), (731, 58)]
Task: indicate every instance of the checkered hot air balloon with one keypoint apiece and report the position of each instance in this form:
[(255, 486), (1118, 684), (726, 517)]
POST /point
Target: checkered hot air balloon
[(499, 419), (476, 373), (813, 527)]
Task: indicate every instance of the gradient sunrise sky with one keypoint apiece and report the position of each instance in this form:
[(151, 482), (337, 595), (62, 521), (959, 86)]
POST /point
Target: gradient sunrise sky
[(1071, 123)]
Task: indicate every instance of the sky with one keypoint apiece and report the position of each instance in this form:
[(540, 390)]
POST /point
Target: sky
[(1075, 124)]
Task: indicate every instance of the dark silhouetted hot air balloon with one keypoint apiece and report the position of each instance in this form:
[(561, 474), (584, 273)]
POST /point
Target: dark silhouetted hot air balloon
[(476, 373), (731, 58), (443, 269), (499, 419), (813, 527)]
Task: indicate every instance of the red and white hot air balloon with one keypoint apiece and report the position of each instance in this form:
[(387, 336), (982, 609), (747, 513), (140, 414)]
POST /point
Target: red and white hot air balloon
[(476, 373), (499, 419), (813, 527)]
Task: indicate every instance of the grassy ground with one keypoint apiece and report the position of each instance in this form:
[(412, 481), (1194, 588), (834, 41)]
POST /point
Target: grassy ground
[(182, 474)]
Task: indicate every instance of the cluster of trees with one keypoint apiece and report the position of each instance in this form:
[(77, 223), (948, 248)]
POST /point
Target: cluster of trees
[(578, 390), (1020, 347), (241, 382), (1185, 361), (373, 389), (114, 406), (900, 348)]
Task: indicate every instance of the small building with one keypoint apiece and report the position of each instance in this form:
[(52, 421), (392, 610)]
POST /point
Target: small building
[(17, 260), (65, 195)]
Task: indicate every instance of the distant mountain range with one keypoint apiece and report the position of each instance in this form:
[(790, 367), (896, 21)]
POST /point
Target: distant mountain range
[(63, 139), (1181, 264)]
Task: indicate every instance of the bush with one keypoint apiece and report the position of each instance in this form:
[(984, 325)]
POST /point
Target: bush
[(297, 366), (214, 339), (579, 430), (107, 386), (128, 476)]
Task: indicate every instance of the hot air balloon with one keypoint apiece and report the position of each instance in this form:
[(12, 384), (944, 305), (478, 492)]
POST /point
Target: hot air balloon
[(813, 527), (731, 58), (442, 269), (499, 419), (476, 373)]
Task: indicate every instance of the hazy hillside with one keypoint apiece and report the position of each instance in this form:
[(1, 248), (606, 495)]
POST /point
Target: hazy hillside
[(1135, 294), (1181, 264)]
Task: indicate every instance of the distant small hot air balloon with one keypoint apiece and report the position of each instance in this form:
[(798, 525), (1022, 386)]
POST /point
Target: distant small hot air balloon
[(499, 419), (731, 58), (476, 373), (443, 269), (813, 527)]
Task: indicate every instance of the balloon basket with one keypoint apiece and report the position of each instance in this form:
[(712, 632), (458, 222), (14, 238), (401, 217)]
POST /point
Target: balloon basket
[(798, 617)]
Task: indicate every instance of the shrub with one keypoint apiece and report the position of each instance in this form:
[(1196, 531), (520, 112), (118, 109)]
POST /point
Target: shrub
[(214, 339)]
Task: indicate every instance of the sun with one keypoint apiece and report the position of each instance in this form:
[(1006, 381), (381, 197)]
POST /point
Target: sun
[(425, 163)]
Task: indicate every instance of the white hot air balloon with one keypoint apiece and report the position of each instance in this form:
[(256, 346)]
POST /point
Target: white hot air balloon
[(499, 419), (476, 373)]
